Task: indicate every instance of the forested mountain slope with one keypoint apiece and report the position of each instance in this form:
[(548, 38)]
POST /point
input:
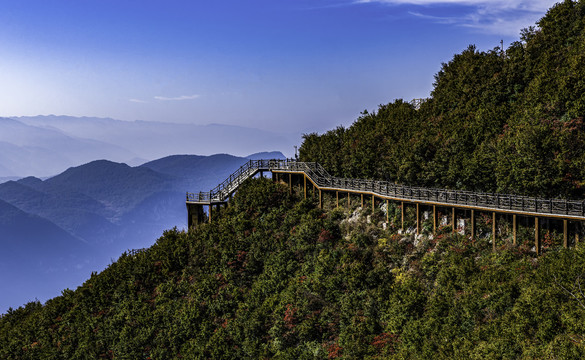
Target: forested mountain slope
[(106, 207), (497, 121), (276, 277)]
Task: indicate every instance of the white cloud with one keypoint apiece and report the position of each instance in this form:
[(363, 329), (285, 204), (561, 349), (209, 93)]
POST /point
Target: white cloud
[(177, 98), (503, 17), (524, 5), (137, 101)]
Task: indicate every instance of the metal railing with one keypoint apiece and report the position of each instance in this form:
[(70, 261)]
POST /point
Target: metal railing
[(222, 191), (318, 175)]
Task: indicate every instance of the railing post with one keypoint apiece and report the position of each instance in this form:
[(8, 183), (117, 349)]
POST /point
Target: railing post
[(536, 205)]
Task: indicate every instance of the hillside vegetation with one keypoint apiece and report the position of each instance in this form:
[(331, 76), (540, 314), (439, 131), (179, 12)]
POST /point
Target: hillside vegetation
[(277, 277), (54, 232), (497, 121)]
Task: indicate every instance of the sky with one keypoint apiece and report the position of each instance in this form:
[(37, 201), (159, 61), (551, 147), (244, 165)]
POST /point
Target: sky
[(279, 65)]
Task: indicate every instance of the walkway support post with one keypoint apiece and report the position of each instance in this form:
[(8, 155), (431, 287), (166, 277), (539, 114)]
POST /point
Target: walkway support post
[(194, 214), (536, 236), (514, 231), (472, 224), (434, 219), (565, 233), (373, 203), (387, 211), (362, 201), (320, 200), (337, 199), (418, 229), (348, 202), (453, 221), (402, 214), (494, 231), (305, 179), (290, 183)]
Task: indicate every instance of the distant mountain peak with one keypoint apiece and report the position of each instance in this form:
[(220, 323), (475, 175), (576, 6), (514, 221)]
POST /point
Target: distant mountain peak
[(30, 181), (266, 155)]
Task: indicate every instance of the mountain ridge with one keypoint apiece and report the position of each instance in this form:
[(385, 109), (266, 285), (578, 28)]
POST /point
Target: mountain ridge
[(111, 207), (123, 141)]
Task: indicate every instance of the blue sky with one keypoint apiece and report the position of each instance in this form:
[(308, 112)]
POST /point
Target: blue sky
[(279, 65)]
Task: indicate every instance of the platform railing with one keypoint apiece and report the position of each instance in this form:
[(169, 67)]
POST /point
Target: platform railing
[(321, 178)]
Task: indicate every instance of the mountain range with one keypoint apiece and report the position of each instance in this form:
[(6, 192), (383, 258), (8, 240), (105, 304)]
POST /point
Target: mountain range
[(55, 232), (47, 145)]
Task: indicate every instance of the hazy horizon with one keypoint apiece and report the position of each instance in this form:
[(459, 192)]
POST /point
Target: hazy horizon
[(43, 146)]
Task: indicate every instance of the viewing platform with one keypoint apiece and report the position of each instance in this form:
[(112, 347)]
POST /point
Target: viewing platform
[(319, 180)]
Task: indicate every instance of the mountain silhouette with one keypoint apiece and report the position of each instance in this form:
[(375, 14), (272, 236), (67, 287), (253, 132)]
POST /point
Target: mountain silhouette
[(82, 218)]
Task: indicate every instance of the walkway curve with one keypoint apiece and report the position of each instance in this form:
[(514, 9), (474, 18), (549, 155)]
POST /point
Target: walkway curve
[(320, 178)]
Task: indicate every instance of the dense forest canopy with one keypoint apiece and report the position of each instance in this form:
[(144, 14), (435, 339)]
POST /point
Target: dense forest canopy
[(496, 121), (276, 277)]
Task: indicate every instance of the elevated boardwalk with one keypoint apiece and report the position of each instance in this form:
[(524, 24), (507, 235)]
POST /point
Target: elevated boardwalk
[(319, 180)]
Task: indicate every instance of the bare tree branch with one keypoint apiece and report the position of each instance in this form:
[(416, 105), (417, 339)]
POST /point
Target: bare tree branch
[(578, 281)]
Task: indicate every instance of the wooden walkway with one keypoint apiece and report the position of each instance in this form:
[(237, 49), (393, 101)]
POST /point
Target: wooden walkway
[(317, 178)]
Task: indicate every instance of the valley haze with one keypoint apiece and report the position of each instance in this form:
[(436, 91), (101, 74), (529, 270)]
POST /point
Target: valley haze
[(55, 232), (43, 146)]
